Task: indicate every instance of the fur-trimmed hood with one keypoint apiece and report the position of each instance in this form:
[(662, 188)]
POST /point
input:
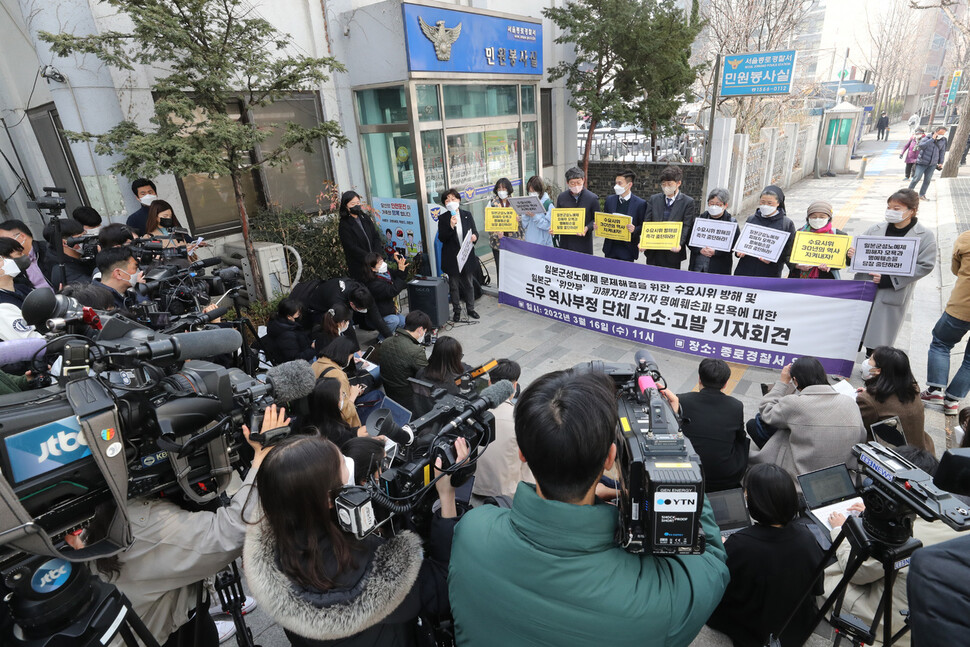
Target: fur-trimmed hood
[(389, 577)]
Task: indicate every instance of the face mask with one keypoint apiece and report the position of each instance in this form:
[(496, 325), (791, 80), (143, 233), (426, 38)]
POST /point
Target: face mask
[(92, 232), (669, 190), (865, 369), (714, 210), (620, 190), (342, 329), (349, 462), (766, 209), (502, 195), (576, 190), (23, 262), (382, 268), (165, 222), (133, 278), (452, 207), (147, 200), (533, 194), (817, 223), (357, 210), (10, 268), (895, 216)]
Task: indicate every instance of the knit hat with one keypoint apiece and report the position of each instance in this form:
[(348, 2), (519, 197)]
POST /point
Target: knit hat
[(820, 206)]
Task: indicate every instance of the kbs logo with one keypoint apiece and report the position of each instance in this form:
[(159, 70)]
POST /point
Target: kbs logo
[(51, 575), (46, 448), (65, 441)]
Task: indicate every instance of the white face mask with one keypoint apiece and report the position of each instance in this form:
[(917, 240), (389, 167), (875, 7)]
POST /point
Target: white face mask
[(576, 190), (817, 223), (382, 268), (502, 194), (10, 268), (133, 278), (714, 210), (895, 216), (92, 232), (865, 369), (147, 200), (349, 462), (342, 329), (766, 209), (620, 190), (452, 207), (533, 194), (669, 190)]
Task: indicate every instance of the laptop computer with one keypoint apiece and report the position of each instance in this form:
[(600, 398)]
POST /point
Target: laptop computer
[(730, 511), (400, 415), (828, 490)]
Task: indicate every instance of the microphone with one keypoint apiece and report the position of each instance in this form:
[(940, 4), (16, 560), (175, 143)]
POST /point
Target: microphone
[(229, 273), (291, 380), (38, 307), (201, 344), (491, 397), (20, 350), (645, 361), (205, 262)]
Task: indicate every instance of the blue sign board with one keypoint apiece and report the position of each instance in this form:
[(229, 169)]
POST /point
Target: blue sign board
[(758, 73), (46, 448), (445, 40)]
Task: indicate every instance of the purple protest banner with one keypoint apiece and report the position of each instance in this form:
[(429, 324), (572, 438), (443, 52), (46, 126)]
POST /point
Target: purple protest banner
[(764, 322)]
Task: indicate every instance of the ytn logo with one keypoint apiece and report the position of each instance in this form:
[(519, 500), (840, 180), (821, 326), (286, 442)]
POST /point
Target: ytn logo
[(676, 501), (64, 441), (51, 575)]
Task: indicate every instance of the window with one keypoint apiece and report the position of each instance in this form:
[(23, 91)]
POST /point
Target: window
[(471, 101), (382, 106), (57, 153), (389, 165), (528, 99), (843, 127), (545, 109), (428, 103)]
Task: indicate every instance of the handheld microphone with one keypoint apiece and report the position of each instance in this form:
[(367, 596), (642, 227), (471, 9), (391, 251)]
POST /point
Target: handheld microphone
[(491, 397)]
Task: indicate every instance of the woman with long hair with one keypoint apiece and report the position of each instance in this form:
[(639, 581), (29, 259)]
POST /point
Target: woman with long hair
[(444, 367), (336, 323), (285, 338), (358, 234), (160, 224), (333, 359), (385, 283), (891, 391), (322, 584), (325, 417)]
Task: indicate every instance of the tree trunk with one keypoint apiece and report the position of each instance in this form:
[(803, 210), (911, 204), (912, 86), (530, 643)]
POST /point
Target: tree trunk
[(951, 165), (593, 121), (250, 250)]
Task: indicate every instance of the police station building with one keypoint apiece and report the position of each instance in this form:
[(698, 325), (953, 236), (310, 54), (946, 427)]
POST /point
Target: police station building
[(436, 95)]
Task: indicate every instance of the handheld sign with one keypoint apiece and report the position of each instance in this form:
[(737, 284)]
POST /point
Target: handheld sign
[(815, 249), (885, 255), (660, 235), (499, 219), (762, 242), (568, 221), (613, 226), (716, 234), (465, 251), (527, 204)]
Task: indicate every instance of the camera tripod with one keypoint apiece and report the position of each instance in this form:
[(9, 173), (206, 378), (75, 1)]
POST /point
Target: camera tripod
[(228, 585)]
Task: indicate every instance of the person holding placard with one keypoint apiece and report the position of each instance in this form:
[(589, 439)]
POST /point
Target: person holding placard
[(671, 206), (535, 225), (453, 226), (771, 214), (705, 258), (819, 221), (578, 197), (625, 203), (895, 292), (500, 200)]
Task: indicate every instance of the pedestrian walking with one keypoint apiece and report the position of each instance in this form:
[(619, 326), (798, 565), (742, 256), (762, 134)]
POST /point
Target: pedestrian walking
[(911, 153), (882, 127), (932, 149)]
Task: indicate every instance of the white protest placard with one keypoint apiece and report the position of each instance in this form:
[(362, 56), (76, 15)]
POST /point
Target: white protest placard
[(526, 204), (465, 251), (762, 242), (716, 234), (885, 255)]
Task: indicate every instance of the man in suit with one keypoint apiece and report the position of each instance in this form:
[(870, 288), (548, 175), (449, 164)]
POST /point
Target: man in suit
[(671, 206), (453, 225), (627, 204), (578, 197), (714, 423)]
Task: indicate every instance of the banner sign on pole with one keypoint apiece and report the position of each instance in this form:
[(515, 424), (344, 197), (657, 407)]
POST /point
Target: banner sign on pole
[(757, 73), (465, 251), (568, 221), (526, 204), (498, 219), (660, 235), (885, 255), (763, 242), (400, 217), (951, 95), (716, 234), (613, 226), (820, 249), (765, 322)]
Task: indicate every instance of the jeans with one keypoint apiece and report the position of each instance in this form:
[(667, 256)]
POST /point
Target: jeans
[(925, 172), (393, 322), (946, 333)]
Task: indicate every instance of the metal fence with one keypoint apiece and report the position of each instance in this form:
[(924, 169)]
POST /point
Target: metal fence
[(628, 145)]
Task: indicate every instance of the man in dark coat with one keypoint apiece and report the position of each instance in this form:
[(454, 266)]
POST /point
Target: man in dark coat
[(671, 206), (578, 197), (145, 193), (932, 149), (319, 296), (938, 589), (358, 235), (627, 204), (882, 127), (453, 225)]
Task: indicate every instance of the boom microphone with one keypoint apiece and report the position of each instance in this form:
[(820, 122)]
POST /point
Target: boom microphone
[(291, 380), (645, 361), (201, 344), (491, 397), (20, 350), (205, 262)]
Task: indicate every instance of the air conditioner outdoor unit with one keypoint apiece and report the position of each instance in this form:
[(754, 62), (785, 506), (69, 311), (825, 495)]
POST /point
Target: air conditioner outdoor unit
[(272, 265)]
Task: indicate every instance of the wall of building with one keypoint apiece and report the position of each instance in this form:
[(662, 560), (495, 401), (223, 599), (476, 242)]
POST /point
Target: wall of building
[(602, 177)]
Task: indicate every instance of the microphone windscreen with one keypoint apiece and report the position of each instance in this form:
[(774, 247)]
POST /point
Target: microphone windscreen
[(207, 262), (203, 344), (38, 307), (291, 380), (497, 393), (645, 359), (20, 350)]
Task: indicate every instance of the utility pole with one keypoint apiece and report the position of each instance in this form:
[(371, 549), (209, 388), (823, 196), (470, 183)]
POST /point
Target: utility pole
[(939, 83), (835, 134)]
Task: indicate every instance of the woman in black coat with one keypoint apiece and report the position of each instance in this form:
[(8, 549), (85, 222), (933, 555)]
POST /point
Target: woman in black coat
[(385, 283), (453, 225), (771, 214), (707, 259), (285, 338), (358, 235)]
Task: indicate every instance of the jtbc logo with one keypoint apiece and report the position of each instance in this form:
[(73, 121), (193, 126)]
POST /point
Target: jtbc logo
[(64, 441), (52, 575)]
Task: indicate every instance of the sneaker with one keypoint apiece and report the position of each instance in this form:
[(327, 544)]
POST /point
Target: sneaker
[(474, 315), (226, 629), (923, 197), (932, 397), (951, 407), (248, 606)]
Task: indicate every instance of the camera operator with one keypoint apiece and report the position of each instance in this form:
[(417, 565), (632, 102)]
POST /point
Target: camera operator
[(173, 550), (89, 218), (76, 270), (115, 235), (13, 262), (548, 571), (322, 584), (37, 273), (119, 271)]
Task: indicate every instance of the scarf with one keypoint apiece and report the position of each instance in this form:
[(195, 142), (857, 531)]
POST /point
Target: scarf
[(827, 229)]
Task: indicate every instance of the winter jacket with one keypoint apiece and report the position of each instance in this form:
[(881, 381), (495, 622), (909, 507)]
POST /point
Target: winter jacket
[(400, 358), (882, 122), (817, 428), (931, 151), (376, 604), (751, 265), (795, 273), (451, 242), (12, 324), (959, 303), (939, 576), (12, 383), (721, 262), (286, 340), (386, 289), (359, 237), (535, 228), (585, 200), (325, 367), (551, 573), (318, 296), (910, 151), (911, 417)]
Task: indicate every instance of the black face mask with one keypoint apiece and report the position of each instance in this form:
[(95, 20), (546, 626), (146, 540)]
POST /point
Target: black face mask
[(23, 262), (357, 210), (165, 222)]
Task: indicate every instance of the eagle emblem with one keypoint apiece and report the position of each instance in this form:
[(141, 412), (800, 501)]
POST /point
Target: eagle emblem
[(441, 37), (734, 64)]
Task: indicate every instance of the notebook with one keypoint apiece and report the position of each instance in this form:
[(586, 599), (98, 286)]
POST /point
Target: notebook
[(730, 511), (828, 490)]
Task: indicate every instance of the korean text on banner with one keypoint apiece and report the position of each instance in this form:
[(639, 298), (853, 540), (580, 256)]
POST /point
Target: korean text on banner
[(499, 219), (757, 73), (758, 321), (763, 242), (660, 235), (716, 234), (568, 221), (820, 249), (885, 255), (465, 251), (526, 204), (613, 226), (401, 217)]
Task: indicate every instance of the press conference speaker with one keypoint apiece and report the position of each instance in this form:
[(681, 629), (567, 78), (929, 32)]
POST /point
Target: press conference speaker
[(548, 570)]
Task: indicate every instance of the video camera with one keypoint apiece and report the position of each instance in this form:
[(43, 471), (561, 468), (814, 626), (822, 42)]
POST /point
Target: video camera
[(662, 481), (52, 204), (89, 246), (401, 487)]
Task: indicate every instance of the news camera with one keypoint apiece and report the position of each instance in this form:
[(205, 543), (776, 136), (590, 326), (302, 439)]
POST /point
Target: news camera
[(88, 244), (400, 489), (661, 478), (52, 204)]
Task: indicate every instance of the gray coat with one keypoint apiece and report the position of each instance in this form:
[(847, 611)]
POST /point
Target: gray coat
[(817, 428), (889, 307)]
